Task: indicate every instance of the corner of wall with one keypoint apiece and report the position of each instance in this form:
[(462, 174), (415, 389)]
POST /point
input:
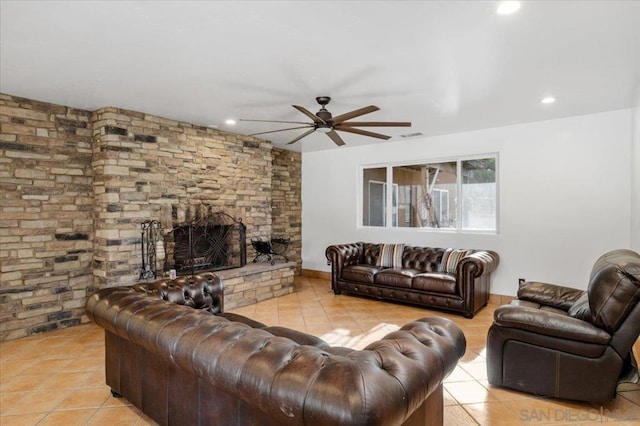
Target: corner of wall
[(635, 175)]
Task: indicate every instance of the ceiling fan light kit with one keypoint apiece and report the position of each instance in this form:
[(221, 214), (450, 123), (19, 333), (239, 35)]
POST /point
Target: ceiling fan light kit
[(324, 122)]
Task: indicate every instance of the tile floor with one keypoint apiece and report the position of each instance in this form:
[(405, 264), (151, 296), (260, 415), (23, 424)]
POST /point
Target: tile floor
[(57, 378)]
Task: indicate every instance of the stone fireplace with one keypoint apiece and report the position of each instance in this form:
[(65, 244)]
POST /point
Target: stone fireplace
[(77, 184)]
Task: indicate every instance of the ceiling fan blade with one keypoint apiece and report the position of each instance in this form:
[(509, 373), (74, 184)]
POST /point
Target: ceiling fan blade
[(309, 114), (363, 132), (355, 113), (282, 130), (307, 133), (335, 138), (375, 124), (273, 121)]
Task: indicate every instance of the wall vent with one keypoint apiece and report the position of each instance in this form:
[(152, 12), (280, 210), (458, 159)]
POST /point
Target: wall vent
[(412, 135)]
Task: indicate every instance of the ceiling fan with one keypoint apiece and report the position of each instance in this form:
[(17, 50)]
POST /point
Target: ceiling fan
[(324, 122)]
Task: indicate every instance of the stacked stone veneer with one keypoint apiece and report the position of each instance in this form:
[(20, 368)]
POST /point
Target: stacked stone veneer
[(286, 203), (77, 184), (146, 166), (256, 282)]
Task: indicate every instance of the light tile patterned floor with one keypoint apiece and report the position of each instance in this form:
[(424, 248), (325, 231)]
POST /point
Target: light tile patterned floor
[(57, 378)]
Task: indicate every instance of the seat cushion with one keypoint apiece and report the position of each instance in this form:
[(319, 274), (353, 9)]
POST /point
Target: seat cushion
[(537, 306), (436, 282), (395, 277), (359, 273)]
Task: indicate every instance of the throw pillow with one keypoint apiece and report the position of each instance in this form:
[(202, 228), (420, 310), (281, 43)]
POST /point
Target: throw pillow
[(450, 259), (390, 256)]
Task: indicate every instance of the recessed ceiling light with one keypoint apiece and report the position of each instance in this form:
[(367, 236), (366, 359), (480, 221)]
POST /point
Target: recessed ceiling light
[(547, 100), (508, 7), (230, 121)]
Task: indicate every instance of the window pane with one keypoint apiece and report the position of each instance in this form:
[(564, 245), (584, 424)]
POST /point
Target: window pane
[(374, 198), (408, 183), (479, 194), (440, 204), (426, 195)]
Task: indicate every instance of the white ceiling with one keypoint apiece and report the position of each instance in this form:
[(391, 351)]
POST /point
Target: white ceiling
[(445, 66)]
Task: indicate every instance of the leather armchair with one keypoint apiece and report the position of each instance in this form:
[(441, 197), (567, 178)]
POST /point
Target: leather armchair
[(567, 343)]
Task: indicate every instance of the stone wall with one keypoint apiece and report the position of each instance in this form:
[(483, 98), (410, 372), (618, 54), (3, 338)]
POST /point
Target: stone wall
[(76, 186), (46, 220), (287, 202), (147, 167)]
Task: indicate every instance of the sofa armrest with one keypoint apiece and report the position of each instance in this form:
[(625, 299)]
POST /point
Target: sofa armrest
[(556, 296), (341, 255), (550, 324), (478, 263), (469, 269)]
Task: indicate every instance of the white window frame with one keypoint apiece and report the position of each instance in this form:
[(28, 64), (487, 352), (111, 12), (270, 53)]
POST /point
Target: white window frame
[(391, 214)]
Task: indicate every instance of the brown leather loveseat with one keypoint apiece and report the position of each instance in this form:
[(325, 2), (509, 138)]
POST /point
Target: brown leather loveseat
[(450, 279), (173, 353), (568, 343)]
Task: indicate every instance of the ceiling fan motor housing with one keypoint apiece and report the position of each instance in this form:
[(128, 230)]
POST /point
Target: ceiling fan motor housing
[(323, 100), (325, 115)]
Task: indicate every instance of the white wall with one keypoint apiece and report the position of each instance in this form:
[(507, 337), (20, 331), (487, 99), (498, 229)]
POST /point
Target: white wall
[(635, 183), (564, 196)]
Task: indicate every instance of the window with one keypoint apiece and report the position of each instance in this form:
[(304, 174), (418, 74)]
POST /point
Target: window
[(455, 195), (374, 199)]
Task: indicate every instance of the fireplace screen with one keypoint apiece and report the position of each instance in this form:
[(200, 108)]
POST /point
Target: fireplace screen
[(214, 242)]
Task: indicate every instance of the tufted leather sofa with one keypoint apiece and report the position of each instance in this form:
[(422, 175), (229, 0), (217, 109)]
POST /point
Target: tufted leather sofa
[(419, 281), (173, 353), (567, 343)]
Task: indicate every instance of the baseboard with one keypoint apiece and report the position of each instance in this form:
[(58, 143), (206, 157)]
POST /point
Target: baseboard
[(310, 273), (499, 299), (494, 299)]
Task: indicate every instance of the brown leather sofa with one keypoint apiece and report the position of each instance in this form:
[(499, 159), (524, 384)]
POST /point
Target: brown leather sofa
[(187, 362), (421, 278), (567, 343)]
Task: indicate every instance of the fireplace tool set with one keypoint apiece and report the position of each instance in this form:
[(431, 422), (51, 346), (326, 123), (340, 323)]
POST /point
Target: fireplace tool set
[(152, 249)]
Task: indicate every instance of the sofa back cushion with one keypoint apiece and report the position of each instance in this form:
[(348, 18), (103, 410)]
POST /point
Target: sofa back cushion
[(370, 253), (614, 288), (423, 259)]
